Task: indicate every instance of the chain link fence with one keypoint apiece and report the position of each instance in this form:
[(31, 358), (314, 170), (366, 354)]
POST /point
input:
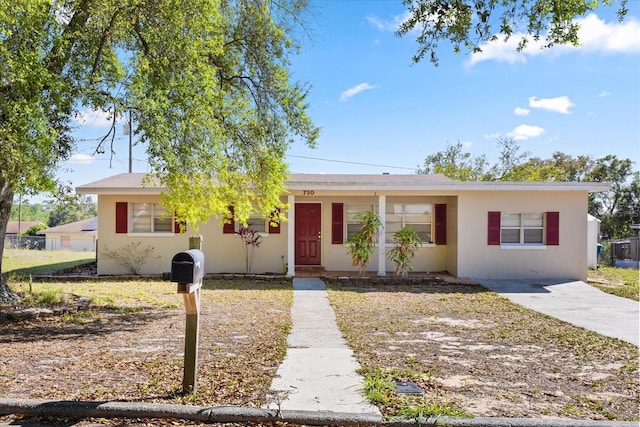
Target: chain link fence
[(52, 243), (25, 242)]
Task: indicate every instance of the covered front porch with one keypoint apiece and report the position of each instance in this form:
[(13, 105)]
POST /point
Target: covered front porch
[(320, 223)]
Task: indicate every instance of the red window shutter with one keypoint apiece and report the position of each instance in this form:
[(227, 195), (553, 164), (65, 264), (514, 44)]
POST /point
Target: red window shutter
[(441, 224), (229, 227), (177, 224), (274, 229), (493, 229), (122, 217), (553, 228), (337, 223)]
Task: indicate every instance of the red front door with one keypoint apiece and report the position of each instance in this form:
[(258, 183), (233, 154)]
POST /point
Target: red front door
[(307, 225)]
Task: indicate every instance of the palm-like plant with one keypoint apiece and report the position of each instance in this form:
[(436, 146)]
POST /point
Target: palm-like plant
[(361, 244), (406, 243)]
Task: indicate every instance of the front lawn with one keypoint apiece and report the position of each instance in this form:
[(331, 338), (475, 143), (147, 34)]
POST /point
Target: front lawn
[(30, 261), (476, 353), (129, 344), (624, 282)]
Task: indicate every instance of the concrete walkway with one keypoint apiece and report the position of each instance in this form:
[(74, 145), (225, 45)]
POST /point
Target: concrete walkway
[(577, 303), (319, 370)]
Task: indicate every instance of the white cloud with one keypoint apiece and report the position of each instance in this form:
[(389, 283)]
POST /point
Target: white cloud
[(355, 90), (502, 51), (595, 35), (492, 135), (388, 25), (377, 22), (83, 159), (598, 36), (523, 132), (560, 104), (603, 94), (519, 111), (95, 118)]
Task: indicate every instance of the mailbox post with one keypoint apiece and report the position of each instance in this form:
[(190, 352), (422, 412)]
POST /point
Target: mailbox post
[(187, 269)]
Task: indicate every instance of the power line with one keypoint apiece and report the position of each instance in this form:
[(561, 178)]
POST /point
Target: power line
[(352, 163), (298, 157)]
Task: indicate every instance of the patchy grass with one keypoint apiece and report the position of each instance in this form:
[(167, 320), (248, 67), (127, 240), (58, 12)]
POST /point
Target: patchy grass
[(101, 293), (474, 352), (129, 344), (45, 296), (623, 282), (26, 261), (380, 389), (471, 351)]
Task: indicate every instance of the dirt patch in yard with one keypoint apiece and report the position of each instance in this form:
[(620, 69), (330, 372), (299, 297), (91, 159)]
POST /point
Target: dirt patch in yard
[(464, 346), (472, 349), (135, 352)]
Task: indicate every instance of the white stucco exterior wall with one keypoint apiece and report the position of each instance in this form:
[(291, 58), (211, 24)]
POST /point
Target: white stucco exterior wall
[(165, 246), (478, 260), (466, 253), (223, 252)]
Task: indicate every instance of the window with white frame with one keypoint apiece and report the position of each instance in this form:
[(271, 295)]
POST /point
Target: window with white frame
[(521, 228), (352, 210), (256, 223), (417, 216), (150, 218)]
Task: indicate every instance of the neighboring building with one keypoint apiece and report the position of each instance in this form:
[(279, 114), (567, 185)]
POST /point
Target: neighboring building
[(15, 230), (625, 253), (470, 229), (593, 242), (79, 236)]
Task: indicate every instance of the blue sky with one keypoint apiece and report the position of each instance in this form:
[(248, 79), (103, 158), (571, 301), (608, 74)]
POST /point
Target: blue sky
[(379, 113)]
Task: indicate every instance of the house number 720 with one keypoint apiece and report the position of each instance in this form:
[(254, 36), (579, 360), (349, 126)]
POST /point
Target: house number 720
[(308, 192)]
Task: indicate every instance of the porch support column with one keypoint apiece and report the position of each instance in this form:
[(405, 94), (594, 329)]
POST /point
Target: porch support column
[(291, 236), (382, 250)]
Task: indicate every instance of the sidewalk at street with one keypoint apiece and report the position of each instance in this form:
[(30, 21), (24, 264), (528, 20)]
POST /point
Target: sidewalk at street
[(319, 370)]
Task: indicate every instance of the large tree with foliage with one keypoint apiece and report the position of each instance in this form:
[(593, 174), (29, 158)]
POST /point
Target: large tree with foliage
[(467, 24), (22, 210), (208, 81), (617, 208), (72, 209), (460, 165)]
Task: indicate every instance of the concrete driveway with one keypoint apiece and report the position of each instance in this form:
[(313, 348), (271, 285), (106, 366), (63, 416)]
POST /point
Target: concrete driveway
[(577, 303)]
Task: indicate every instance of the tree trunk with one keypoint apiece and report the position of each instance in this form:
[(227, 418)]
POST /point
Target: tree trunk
[(7, 296)]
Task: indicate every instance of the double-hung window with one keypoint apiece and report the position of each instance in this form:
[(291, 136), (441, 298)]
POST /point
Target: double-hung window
[(518, 229), (150, 218), (417, 216), (256, 223), (420, 217), (352, 211), (522, 228)]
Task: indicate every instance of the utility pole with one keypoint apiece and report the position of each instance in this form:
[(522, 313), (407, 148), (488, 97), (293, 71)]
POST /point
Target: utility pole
[(19, 213), (130, 142)]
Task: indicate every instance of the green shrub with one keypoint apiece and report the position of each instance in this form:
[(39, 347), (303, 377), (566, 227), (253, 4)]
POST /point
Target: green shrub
[(406, 243), (132, 256), (361, 244)]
